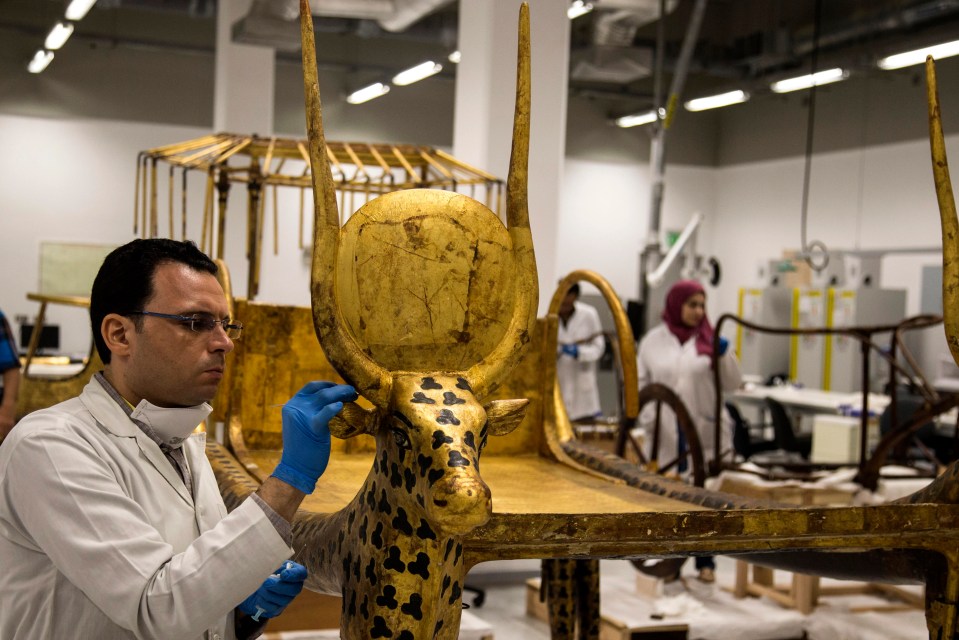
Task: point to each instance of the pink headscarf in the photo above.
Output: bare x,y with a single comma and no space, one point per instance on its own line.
673,317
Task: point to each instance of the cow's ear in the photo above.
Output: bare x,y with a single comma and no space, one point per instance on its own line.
352,421
505,415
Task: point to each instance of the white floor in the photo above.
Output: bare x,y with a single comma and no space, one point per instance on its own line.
710,611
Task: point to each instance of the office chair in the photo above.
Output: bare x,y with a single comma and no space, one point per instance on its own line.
785,436
743,443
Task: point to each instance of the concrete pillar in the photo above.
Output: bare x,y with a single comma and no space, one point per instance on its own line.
243,85
485,97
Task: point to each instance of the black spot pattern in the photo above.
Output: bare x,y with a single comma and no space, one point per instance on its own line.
420,398
461,383
446,417
377,537
393,562
385,506
435,475
439,623
379,629
406,634
396,478
450,398
356,570
349,521
371,572
455,593
409,480
347,561
420,500
363,529
365,608
414,608
388,599
430,384
449,547
401,523
459,552
470,440
440,438
484,431
421,566
424,531
424,462
446,584
457,460
351,610
371,498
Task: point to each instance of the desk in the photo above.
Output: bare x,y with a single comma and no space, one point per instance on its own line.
809,400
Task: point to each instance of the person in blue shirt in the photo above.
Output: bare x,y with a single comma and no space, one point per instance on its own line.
10,374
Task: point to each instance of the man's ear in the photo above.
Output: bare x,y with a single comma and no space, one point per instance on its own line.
505,415
116,331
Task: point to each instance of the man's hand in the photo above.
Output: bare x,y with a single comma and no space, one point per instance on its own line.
571,350
276,592
306,432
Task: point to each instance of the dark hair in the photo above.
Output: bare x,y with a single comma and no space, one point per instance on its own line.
573,289
124,282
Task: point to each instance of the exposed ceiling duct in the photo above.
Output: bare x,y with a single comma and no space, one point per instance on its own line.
274,22
611,58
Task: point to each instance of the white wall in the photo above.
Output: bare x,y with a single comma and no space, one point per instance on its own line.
66,181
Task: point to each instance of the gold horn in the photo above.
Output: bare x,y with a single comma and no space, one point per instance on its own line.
947,214
485,374
338,344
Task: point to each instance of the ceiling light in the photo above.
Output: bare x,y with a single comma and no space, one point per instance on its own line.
40,61
375,90
79,8
417,73
58,35
578,8
809,80
454,57
719,100
918,56
636,119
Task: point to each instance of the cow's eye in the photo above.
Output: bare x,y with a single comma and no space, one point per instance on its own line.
400,438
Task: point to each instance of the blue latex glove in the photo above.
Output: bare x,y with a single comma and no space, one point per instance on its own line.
306,432
276,592
723,345
571,350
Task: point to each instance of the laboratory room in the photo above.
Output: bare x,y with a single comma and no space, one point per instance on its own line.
585,320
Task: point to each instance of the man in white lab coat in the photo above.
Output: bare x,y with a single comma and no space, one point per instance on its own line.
580,346
111,523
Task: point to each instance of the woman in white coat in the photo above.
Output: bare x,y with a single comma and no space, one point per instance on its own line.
677,354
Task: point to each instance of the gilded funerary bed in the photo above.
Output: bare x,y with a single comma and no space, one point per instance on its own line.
460,451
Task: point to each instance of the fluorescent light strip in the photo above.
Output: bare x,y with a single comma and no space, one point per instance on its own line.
40,61
365,94
578,8
810,80
636,119
58,35
918,56
716,101
455,57
77,9
417,73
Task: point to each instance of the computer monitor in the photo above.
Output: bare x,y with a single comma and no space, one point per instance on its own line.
49,338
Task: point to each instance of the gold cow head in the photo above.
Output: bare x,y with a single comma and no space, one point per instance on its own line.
448,254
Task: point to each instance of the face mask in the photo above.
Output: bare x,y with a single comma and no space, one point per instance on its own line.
173,425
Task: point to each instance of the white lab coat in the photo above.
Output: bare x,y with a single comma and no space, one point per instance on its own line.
99,537
577,376
663,359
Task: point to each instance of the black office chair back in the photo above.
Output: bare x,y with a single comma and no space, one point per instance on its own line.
783,429
741,441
